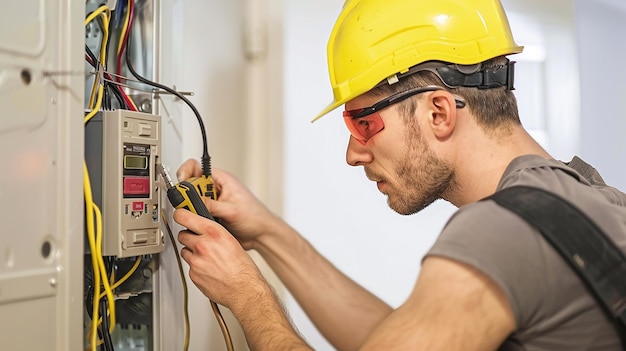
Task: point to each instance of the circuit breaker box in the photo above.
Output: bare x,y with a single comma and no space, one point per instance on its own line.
122,148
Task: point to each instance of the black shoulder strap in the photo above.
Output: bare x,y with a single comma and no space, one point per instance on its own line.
587,249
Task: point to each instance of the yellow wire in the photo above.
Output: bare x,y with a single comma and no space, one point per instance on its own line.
91,235
223,326
132,103
97,107
124,28
105,12
98,79
93,15
89,211
103,273
218,315
127,275
99,268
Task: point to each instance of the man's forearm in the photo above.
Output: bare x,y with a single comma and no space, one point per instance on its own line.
265,323
344,312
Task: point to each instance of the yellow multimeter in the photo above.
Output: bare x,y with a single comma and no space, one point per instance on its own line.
187,193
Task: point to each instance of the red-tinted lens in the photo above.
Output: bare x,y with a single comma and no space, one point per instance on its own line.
363,128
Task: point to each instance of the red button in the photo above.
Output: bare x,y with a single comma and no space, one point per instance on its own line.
136,186
137,205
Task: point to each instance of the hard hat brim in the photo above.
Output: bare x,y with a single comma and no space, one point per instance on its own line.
332,106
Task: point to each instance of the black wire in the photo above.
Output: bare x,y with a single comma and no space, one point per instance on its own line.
206,158
89,302
100,337
107,96
106,99
117,94
91,55
115,89
106,336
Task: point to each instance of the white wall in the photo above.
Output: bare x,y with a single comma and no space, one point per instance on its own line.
601,28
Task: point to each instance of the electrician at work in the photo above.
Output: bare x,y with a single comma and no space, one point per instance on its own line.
427,92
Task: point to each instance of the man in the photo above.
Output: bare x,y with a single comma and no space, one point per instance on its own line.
428,102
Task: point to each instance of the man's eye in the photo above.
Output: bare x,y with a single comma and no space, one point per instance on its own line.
363,124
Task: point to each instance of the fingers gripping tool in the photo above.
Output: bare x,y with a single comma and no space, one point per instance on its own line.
188,193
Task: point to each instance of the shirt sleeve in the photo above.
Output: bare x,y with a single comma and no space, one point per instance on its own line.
510,252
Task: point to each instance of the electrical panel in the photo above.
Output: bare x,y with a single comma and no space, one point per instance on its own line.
123,143
132,200
126,184
66,149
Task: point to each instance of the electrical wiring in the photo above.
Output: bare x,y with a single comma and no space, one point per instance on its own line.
182,278
99,11
105,44
105,13
130,9
223,326
96,108
89,211
96,84
125,101
128,274
92,212
218,315
114,89
106,337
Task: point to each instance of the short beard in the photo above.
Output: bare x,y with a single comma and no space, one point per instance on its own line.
424,177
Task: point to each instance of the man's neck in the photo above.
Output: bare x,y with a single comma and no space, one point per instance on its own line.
480,164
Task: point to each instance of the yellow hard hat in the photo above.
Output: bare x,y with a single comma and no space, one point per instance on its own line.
375,39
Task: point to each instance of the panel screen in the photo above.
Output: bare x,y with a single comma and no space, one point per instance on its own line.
135,162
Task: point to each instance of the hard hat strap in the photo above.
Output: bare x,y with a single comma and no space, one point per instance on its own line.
472,76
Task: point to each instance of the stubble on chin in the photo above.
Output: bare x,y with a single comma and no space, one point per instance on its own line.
424,178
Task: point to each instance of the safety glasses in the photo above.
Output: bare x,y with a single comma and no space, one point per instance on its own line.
366,122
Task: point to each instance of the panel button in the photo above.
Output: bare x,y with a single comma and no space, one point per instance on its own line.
145,130
136,186
140,237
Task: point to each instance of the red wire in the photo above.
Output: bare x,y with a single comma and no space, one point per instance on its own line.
127,100
131,8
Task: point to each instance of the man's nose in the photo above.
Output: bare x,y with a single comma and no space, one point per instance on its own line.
357,154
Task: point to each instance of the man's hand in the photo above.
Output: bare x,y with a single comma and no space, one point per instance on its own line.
218,265
224,272
237,208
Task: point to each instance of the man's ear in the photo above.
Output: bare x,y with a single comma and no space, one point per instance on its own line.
443,115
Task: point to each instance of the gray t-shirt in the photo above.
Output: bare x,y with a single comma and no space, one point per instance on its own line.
552,308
